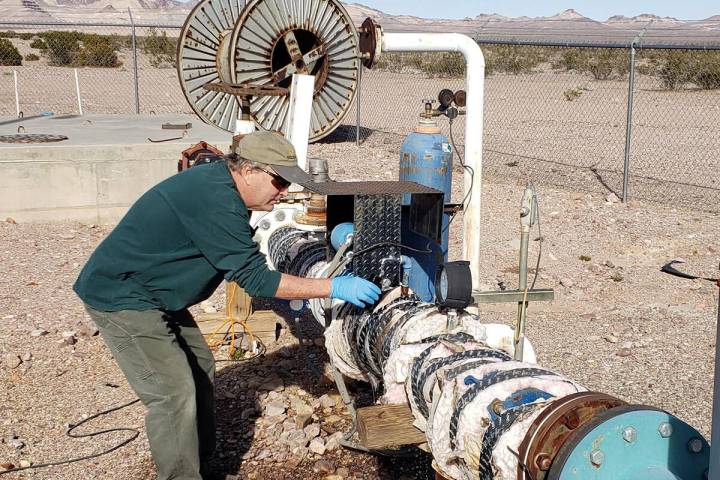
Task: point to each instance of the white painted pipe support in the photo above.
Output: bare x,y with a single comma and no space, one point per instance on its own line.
297,128
475,80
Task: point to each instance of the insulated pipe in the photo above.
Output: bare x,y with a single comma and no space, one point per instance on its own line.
475,80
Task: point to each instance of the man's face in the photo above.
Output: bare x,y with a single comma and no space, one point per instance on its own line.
260,188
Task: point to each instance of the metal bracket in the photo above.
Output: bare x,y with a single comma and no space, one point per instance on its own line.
515,296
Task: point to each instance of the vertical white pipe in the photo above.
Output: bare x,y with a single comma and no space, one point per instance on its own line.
17,95
475,80
77,91
297,129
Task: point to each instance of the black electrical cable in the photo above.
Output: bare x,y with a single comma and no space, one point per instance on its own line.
390,244
69,433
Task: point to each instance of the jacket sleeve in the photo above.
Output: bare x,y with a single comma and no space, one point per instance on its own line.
223,236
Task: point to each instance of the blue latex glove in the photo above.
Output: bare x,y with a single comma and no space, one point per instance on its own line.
355,290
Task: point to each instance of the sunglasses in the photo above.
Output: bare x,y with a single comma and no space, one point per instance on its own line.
281,182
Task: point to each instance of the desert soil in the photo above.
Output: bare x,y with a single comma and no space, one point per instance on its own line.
618,325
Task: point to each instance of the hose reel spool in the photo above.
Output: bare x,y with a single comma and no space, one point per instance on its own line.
262,44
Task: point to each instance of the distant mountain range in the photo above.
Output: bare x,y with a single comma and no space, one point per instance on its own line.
565,25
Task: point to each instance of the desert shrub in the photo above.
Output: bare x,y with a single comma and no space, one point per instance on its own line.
119,41
607,63
7,34
62,47
38,43
675,69
445,65
31,57
9,54
159,48
514,59
97,55
570,59
706,70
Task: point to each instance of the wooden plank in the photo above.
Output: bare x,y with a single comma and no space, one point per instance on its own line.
265,324
388,426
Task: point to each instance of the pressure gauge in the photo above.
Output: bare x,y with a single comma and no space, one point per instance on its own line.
453,285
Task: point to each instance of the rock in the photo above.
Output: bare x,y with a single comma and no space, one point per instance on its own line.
302,408
611,338
712,248
69,338
274,384
612,198
333,442
88,331
324,467
333,477
15,443
297,439
274,409
6,466
609,264
317,445
627,345
248,413
263,454
302,421
331,419
27,357
326,401
38,333
554,214
342,472
312,430
11,220
566,282
624,352
25,463
10,361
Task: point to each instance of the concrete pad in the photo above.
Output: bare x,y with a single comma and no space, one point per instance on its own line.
94,176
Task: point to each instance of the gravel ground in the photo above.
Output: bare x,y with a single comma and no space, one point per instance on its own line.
617,325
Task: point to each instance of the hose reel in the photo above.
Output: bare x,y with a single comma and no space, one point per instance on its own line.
227,44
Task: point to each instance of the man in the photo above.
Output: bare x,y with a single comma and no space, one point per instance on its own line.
171,250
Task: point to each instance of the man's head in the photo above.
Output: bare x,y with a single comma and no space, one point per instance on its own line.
263,165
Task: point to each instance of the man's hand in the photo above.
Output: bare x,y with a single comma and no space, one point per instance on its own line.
355,290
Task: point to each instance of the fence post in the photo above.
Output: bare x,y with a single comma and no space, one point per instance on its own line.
628,127
135,66
357,103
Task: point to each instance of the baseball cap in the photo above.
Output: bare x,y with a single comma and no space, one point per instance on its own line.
274,150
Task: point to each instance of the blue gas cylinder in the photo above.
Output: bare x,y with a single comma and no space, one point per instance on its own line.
426,158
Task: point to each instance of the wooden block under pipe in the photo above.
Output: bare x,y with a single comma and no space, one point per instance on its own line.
388,426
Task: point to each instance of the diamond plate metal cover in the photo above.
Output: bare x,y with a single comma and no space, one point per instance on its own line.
377,221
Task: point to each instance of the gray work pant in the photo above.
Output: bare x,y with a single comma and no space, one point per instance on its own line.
171,369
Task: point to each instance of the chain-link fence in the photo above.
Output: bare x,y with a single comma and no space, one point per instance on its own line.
576,116
556,112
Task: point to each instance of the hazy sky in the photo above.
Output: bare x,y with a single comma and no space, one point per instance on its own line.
597,10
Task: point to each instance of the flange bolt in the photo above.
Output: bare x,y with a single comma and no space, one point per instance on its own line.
695,445
665,429
629,434
597,457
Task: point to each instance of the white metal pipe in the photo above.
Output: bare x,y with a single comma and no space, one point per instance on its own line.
77,91
475,80
297,128
17,95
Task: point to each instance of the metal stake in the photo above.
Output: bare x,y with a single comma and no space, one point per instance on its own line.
628,126
135,65
77,91
527,219
17,95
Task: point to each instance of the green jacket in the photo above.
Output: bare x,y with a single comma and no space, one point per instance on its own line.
175,245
